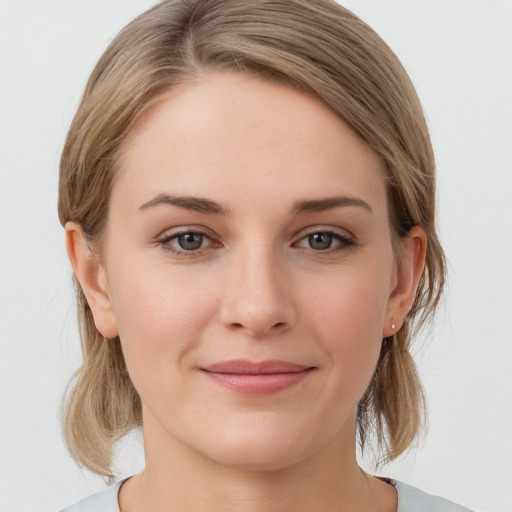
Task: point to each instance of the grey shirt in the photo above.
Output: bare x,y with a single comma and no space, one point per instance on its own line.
410,499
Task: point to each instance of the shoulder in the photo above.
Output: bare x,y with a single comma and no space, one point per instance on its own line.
103,501
411,499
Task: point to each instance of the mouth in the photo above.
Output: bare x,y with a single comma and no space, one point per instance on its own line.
257,378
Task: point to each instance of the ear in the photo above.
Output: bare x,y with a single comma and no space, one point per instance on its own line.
408,274
92,278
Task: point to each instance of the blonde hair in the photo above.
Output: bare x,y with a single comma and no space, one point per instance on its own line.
314,45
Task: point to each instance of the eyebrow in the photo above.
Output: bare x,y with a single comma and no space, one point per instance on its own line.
197,204
203,205
326,203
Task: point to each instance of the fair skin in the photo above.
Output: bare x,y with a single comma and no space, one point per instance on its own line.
248,223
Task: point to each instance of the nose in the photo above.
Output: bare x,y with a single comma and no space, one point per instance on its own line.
258,297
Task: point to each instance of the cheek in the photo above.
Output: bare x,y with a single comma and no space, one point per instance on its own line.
348,318
351,307
160,317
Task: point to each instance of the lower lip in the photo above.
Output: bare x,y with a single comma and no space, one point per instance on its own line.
261,384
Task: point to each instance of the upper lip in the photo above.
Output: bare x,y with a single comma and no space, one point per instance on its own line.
243,367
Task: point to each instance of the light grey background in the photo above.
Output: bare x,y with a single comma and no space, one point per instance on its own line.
459,53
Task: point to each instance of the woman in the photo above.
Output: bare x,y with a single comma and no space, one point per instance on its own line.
248,195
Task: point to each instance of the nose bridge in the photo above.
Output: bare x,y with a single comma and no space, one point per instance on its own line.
258,299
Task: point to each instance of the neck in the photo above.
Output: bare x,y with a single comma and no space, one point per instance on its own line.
177,478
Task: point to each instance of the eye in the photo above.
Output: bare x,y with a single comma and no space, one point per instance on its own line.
325,241
186,242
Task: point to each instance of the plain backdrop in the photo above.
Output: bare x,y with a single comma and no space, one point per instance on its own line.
459,54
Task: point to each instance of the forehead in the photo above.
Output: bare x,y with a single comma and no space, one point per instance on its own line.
242,138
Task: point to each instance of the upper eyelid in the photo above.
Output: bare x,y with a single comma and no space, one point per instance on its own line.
183,230
311,230
341,239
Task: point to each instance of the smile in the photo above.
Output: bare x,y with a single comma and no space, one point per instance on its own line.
257,378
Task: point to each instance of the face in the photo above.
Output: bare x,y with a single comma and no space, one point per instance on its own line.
248,270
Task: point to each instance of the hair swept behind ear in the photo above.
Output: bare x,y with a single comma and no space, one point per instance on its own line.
393,407
101,402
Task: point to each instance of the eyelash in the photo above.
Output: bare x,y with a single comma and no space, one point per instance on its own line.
345,241
164,242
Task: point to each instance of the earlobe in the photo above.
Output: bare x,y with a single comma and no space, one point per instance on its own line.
408,274
91,275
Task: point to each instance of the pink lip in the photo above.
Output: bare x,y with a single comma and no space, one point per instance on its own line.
257,378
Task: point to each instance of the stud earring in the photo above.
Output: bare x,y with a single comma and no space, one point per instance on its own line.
393,326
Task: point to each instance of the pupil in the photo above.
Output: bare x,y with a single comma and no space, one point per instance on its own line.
320,241
190,241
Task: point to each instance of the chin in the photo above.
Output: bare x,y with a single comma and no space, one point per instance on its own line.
260,447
